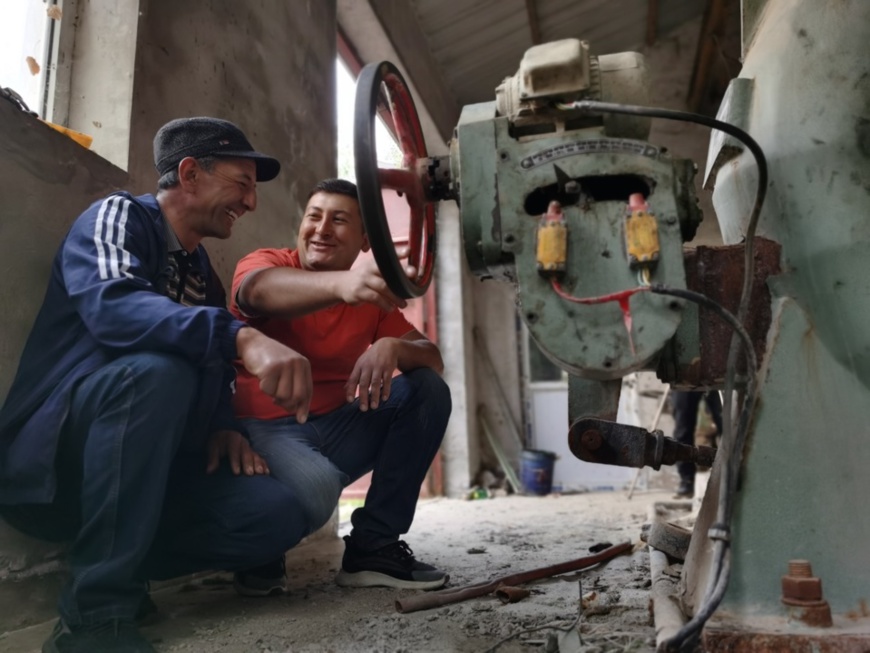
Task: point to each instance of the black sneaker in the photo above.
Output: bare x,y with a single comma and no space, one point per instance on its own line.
390,566
267,580
117,636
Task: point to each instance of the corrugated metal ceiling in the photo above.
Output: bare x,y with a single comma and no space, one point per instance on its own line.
477,43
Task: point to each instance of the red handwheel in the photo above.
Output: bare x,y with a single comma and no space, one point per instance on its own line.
384,80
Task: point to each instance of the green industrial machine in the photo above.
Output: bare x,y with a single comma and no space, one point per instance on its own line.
561,194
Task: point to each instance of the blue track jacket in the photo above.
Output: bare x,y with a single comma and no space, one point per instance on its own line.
106,299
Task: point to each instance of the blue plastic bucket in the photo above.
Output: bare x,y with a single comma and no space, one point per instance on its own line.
536,471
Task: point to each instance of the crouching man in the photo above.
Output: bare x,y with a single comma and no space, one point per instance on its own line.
114,429
362,417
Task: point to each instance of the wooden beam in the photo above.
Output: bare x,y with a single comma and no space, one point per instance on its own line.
712,28
399,23
652,22
534,25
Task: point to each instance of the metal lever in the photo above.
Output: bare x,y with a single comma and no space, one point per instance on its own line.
599,441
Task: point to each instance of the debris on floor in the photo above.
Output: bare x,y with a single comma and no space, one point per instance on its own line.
604,608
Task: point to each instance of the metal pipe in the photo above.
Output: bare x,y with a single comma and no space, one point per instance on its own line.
668,615
459,594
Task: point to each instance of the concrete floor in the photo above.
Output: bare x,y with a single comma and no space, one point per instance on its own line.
477,541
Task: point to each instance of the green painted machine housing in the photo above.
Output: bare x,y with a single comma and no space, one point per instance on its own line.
504,182
805,473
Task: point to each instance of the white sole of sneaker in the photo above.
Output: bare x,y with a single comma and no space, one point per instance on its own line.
376,579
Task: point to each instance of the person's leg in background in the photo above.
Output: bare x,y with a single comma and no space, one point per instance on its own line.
714,407
685,407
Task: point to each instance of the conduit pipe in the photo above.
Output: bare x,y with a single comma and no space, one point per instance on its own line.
668,615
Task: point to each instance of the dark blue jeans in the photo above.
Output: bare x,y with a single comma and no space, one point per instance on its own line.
397,440
137,509
685,405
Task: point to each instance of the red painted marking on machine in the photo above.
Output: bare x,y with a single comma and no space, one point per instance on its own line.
621,297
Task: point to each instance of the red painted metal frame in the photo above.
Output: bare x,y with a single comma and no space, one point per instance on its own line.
409,179
422,311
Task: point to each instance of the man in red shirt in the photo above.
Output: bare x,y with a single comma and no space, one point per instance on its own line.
361,418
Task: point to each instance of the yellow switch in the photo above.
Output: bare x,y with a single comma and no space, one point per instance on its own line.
552,249
641,234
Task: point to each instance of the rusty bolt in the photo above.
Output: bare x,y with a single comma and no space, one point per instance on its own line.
801,568
802,594
800,584
591,439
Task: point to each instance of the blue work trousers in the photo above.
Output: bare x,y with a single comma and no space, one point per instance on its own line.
397,441
134,507
685,405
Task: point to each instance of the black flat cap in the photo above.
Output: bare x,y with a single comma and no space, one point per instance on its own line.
200,137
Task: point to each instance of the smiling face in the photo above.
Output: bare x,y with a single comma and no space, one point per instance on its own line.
223,195
331,235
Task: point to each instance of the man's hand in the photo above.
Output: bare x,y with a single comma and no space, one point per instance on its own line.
285,375
373,374
365,285
236,448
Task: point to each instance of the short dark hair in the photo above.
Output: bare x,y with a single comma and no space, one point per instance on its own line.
334,187
170,179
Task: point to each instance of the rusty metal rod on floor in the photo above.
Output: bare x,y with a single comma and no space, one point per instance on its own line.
458,594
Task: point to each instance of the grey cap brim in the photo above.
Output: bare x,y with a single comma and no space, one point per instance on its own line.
267,167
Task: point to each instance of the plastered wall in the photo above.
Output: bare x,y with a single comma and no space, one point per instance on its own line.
264,64
44,178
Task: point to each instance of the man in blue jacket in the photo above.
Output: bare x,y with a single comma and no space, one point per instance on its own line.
112,432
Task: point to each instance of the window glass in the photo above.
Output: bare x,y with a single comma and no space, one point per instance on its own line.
542,368
24,49
388,152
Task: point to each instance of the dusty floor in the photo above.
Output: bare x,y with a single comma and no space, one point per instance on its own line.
477,541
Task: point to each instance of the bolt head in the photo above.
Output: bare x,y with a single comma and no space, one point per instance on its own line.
801,589
591,439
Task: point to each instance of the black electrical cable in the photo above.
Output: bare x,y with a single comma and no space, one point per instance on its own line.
720,530
729,476
721,311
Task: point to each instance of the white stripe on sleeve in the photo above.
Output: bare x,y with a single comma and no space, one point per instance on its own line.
122,234
110,238
98,239
112,259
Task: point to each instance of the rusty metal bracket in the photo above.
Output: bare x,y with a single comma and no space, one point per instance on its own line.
697,357
599,441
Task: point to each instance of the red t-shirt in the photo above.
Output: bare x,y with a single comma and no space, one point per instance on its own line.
332,339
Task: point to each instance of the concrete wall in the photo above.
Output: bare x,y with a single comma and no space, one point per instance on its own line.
100,86
460,449
498,369
266,65
45,180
